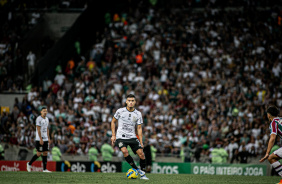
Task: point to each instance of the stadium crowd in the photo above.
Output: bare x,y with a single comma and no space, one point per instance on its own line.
202,80
14,62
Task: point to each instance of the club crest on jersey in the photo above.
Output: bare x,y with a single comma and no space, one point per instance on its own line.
120,144
134,119
129,116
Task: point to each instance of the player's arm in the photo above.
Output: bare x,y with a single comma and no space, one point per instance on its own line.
270,145
48,134
113,127
139,132
39,134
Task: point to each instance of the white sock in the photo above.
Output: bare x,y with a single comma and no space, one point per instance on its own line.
278,167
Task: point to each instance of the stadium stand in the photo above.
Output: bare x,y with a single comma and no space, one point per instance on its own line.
201,77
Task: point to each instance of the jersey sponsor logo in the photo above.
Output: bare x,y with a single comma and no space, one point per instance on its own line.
127,128
44,130
127,135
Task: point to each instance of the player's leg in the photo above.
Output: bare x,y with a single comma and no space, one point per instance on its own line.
128,158
122,144
142,169
44,160
141,155
35,157
137,148
274,161
44,157
39,149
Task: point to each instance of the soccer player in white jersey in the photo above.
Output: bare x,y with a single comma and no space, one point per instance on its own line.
41,140
275,128
128,117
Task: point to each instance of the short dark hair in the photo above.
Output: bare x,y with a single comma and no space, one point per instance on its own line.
44,107
273,111
130,96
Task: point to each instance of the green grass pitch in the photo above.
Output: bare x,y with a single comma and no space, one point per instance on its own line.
68,177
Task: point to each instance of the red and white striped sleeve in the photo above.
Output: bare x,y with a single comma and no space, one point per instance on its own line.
273,127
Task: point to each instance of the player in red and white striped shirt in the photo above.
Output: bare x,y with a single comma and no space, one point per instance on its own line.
275,128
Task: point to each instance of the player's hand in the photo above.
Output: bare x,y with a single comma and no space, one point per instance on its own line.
264,158
113,139
141,144
41,142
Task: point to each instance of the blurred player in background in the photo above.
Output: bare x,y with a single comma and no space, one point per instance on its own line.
275,128
41,140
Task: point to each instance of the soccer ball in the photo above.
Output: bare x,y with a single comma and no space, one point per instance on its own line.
132,173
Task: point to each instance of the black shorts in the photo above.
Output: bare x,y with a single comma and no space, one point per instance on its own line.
134,143
41,148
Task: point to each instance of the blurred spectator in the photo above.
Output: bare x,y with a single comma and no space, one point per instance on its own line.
31,62
13,139
63,146
55,88
187,152
83,150
71,148
219,154
243,155
2,152
60,78
232,150
46,85
93,153
153,152
107,152
35,16
56,153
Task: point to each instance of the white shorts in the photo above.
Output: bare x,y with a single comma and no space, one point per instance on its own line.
278,152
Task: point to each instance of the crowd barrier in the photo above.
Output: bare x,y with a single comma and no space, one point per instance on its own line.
105,167
21,166
64,166
211,169
157,167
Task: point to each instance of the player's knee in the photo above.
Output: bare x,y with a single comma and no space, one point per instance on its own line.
38,154
45,153
271,159
141,155
125,153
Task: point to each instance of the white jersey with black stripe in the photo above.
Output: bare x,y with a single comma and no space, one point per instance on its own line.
127,121
44,124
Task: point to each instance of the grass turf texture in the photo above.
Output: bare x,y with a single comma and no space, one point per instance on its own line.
68,177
